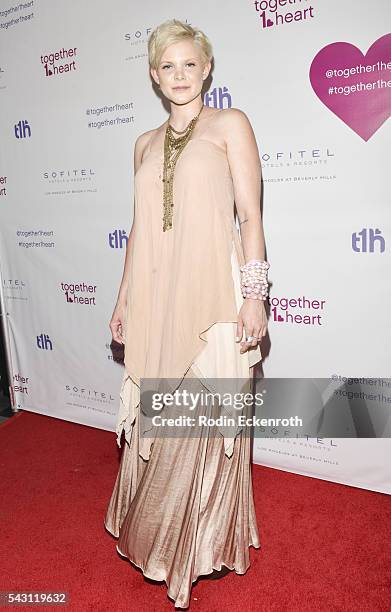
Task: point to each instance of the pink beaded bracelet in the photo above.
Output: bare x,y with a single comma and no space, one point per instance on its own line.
253,282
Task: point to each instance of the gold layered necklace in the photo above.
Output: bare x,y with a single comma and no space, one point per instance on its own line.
173,147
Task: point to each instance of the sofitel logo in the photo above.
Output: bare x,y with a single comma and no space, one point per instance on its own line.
364,241
117,239
85,393
138,34
14,284
292,310
15,289
79,293
67,176
56,62
296,158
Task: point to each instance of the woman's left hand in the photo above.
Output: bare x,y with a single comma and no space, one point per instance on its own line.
252,320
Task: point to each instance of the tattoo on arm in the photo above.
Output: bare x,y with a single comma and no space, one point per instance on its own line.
244,221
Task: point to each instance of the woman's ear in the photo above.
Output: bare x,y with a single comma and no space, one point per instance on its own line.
207,68
154,75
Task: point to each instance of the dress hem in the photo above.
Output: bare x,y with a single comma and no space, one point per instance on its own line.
255,545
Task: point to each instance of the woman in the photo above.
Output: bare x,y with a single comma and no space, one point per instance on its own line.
183,506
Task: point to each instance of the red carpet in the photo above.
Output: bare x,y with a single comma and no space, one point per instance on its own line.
325,546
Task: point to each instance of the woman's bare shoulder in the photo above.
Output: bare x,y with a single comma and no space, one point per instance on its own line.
144,139
141,145
233,116
228,124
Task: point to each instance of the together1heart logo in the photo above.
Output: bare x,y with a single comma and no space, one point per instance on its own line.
354,86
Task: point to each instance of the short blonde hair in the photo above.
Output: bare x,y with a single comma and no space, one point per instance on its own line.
173,31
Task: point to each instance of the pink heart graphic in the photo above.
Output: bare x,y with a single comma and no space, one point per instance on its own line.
343,65
269,23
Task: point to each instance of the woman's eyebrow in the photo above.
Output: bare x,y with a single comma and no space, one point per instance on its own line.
171,62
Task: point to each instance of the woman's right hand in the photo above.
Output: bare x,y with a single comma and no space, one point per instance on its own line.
117,323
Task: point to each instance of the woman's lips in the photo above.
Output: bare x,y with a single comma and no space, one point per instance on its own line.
180,88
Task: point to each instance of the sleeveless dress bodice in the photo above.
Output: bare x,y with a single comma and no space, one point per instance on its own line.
183,288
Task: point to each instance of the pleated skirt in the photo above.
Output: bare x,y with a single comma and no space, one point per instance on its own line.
188,509
183,506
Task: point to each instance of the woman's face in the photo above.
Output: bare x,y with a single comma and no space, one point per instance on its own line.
181,72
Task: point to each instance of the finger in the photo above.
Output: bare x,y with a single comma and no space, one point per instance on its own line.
117,336
252,333
259,335
239,330
255,334
245,345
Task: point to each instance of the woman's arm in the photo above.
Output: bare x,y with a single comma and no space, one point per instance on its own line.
246,171
118,317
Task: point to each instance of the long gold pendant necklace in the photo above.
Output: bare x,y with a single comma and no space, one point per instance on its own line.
173,147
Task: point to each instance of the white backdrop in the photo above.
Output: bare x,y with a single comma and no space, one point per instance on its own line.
67,132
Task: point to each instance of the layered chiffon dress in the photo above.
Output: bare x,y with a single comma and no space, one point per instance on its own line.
182,507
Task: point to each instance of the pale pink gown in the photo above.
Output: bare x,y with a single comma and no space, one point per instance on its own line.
183,507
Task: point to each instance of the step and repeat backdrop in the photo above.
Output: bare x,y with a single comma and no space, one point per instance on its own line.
314,79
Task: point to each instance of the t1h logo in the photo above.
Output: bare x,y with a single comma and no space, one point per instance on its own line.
364,241
117,238
22,129
44,342
217,96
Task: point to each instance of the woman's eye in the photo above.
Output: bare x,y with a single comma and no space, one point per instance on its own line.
188,64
